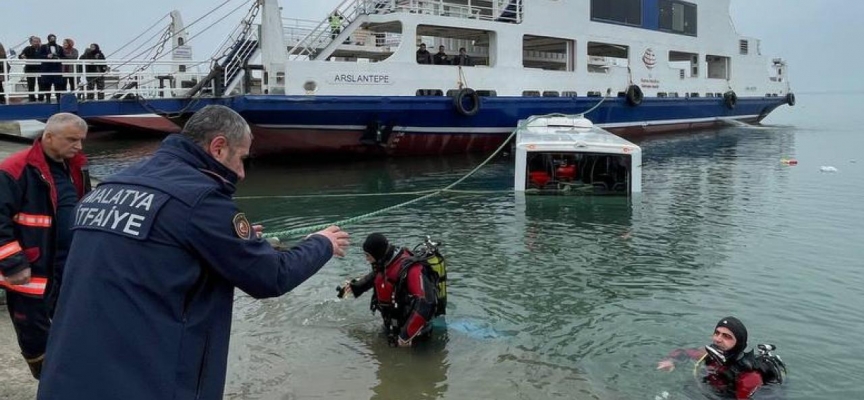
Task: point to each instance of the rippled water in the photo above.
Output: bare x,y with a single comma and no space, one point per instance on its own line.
560,297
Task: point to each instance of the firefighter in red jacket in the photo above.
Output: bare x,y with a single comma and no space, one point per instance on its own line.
730,370
39,188
404,295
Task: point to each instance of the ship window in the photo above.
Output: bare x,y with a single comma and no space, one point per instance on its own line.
551,93
678,17
605,58
568,93
487,93
531,93
595,94
548,53
475,42
662,94
627,12
686,63
718,67
744,45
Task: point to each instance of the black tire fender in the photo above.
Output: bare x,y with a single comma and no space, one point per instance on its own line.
634,95
790,99
730,99
473,101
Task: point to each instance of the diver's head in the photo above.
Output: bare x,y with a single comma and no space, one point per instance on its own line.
377,249
730,337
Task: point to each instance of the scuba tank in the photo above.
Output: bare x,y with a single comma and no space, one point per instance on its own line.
427,253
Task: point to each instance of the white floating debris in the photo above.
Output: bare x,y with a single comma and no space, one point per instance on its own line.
827,169
662,396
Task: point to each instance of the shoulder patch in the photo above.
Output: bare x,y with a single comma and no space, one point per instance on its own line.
242,226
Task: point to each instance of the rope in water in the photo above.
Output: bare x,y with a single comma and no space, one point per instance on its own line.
355,195
424,194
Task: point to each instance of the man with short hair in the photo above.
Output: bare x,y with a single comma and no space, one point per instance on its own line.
39,187
423,56
463,59
440,57
32,69
52,68
145,307
730,369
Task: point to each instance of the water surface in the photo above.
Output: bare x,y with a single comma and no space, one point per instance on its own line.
564,297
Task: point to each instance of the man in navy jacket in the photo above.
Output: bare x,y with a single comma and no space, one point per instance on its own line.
145,307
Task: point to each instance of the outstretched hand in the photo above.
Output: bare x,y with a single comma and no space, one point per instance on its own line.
338,238
666,365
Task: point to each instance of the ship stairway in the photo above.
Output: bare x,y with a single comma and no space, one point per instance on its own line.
512,12
321,41
233,68
231,60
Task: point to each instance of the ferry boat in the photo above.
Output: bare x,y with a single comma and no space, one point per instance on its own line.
567,154
356,83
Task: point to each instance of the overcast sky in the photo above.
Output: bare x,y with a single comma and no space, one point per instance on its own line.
813,35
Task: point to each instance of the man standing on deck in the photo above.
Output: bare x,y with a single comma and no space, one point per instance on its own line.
39,187
145,309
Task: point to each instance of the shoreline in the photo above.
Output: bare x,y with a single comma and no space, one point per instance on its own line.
16,383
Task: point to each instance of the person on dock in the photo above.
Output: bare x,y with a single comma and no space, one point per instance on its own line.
32,69
159,248
405,290
730,369
39,187
52,69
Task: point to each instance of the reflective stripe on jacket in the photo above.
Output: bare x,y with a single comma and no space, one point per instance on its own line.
28,202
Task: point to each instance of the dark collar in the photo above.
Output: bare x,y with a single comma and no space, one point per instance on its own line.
184,148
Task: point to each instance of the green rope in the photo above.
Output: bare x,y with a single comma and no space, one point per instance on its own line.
333,196
347,221
428,193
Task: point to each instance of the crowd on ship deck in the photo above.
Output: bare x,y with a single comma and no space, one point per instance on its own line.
49,69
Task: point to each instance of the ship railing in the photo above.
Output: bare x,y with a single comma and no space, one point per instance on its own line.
121,79
296,29
510,11
323,34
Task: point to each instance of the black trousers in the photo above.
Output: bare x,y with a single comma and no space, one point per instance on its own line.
56,81
99,85
30,317
31,87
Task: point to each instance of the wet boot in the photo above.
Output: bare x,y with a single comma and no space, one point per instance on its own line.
35,365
